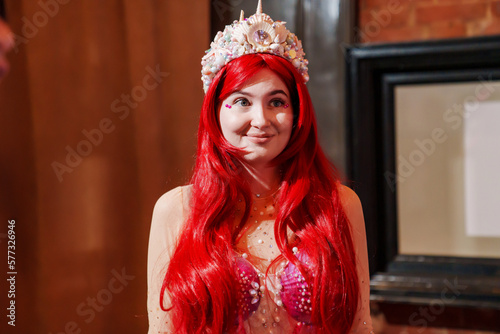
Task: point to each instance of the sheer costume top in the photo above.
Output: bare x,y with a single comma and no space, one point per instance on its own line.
278,302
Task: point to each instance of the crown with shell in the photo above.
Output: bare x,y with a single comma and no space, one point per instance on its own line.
256,34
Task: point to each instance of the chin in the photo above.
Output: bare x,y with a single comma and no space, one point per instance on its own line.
257,159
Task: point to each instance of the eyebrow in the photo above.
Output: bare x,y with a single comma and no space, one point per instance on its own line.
274,92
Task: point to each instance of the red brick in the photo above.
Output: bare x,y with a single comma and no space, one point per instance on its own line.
425,2
451,12
364,17
370,4
394,35
451,29
492,29
385,18
495,8
374,4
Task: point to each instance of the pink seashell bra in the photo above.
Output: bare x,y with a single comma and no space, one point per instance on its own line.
289,287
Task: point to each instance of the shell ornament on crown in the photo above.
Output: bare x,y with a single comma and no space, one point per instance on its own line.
256,34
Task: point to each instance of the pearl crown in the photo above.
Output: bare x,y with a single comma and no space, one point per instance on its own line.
256,34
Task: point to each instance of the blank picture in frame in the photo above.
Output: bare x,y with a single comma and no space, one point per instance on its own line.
447,144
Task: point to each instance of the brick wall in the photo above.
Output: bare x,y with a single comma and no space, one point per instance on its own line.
412,20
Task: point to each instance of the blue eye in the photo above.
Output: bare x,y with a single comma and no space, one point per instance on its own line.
277,103
242,102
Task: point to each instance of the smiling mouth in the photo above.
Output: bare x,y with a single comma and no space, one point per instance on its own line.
259,139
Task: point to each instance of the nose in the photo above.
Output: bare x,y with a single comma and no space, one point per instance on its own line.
261,117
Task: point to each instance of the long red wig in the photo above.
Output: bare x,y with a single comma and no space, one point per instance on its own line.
200,279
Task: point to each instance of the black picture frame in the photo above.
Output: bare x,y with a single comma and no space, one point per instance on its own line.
402,283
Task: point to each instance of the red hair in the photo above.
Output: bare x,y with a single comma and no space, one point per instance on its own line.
200,278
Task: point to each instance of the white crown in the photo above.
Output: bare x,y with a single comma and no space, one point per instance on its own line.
257,34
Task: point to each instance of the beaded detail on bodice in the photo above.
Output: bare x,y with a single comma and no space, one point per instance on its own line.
287,287
274,296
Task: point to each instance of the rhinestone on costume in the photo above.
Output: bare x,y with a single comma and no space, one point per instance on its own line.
249,296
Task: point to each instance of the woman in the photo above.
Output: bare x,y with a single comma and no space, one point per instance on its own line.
265,239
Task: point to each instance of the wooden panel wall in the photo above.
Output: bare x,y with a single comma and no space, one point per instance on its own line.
98,118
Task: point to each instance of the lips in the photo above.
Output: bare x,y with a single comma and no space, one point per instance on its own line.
259,138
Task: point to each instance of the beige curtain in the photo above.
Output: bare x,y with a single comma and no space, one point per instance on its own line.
98,118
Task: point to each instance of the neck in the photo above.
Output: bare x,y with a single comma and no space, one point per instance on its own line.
263,181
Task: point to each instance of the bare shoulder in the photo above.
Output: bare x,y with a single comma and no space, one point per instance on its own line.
172,199
168,218
172,204
354,211
352,207
349,198
348,195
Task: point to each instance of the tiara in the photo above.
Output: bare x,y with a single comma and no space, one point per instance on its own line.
256,34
